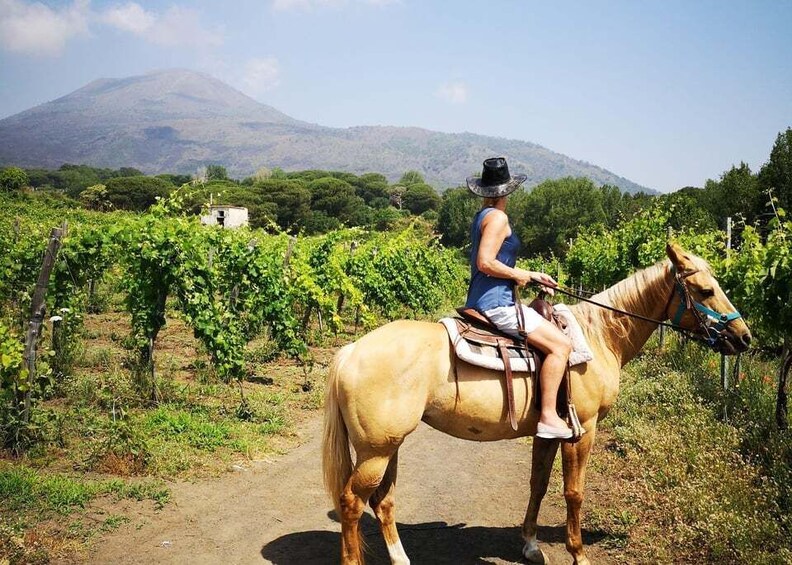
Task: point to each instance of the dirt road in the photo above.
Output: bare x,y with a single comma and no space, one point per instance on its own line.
458,502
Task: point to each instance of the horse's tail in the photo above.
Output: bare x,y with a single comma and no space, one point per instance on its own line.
336,458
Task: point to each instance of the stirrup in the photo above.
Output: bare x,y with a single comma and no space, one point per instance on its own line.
574,423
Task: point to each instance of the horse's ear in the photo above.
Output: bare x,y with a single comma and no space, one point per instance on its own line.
679,258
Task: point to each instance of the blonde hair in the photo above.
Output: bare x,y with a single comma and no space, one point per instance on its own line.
489,202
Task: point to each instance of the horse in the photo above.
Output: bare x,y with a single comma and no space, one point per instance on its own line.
381,386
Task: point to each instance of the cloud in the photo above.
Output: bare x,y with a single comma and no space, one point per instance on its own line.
37,29
130,17
260,75
177,26
311,5
453,92
34,28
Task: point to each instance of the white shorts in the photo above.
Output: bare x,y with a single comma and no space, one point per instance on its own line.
505,319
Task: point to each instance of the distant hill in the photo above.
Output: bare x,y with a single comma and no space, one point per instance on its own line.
178,120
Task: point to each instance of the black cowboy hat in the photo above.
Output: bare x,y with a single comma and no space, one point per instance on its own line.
495,180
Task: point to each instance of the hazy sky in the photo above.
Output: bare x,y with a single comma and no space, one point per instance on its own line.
665,93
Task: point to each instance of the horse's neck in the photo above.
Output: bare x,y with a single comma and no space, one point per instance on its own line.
645,293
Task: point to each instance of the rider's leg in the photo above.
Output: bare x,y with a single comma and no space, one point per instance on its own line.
556,347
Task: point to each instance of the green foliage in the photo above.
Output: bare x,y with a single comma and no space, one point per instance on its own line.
776,174
175,180
373,189
335,200
418,198
599,257
411,177
457,208
760,276
137,192
13,381
291,202
394,272
96,198
216,172
689,208
13,178
555,211
735,195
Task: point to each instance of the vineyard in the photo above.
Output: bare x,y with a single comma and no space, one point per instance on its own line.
252,296
230,286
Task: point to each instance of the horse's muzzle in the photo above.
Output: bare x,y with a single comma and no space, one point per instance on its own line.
733,344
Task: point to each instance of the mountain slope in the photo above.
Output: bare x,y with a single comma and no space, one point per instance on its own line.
179,120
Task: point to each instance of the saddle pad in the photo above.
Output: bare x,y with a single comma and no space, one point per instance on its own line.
483,355
581,352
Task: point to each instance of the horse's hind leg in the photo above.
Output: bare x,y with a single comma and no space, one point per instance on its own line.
383,503
365,479
544,452
575,458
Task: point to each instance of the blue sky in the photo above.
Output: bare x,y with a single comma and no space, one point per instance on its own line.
665,93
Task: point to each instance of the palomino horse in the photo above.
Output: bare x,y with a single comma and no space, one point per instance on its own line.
384,384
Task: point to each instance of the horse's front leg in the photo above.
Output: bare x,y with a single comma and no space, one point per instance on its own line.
542,457
575,457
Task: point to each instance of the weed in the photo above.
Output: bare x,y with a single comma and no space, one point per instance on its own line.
187,427
112,522
122,451
699,476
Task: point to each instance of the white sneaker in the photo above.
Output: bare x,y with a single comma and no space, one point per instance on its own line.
549,432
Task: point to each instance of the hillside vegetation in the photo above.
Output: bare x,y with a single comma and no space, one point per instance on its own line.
181,120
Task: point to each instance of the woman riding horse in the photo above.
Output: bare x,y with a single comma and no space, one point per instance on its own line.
382,386
493,276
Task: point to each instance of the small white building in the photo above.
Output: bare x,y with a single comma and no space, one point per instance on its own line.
226,216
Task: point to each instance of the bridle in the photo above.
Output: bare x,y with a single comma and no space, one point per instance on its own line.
711,324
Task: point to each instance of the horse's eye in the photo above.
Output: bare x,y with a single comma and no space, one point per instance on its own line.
707,292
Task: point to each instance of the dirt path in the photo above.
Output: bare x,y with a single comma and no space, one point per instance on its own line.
458,502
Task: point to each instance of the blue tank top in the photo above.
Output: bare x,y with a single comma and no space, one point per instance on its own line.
486,292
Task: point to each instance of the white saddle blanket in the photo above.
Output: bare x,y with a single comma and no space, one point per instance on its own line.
489,359
484,357
581,352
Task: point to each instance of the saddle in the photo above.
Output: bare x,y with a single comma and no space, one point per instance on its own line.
477,330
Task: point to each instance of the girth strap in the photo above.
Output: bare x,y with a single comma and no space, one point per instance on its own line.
509,385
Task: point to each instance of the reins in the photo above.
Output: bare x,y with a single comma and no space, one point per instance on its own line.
573,294
710,333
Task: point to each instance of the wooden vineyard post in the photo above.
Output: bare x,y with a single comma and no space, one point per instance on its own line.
289,251
37,309
724,359
781,400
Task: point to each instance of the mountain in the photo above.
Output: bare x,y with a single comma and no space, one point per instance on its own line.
179,120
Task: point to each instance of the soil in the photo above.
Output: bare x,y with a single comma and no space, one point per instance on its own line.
458,502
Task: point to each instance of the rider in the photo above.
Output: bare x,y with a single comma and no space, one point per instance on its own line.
494,275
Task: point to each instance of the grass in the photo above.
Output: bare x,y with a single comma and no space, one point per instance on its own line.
97,422
692,485
35,506
25,490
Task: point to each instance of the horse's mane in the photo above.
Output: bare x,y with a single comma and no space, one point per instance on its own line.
637,294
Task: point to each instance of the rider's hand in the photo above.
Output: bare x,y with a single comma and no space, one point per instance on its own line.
547,282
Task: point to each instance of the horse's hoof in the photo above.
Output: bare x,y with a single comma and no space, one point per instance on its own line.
535,555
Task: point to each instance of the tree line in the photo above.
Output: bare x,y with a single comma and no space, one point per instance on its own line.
311,201
546,217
